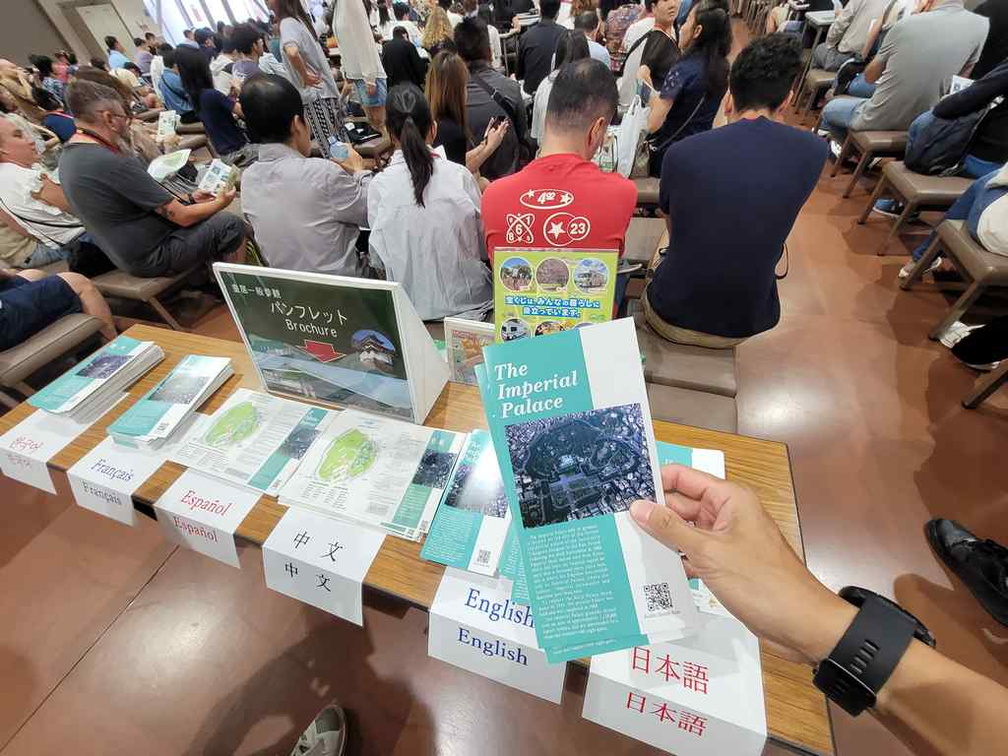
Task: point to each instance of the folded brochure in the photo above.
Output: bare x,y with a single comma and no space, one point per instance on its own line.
572,431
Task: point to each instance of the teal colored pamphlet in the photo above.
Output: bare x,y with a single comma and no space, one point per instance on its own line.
70,388
472,520
571,428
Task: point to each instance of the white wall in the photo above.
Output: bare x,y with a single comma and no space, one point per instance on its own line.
132,12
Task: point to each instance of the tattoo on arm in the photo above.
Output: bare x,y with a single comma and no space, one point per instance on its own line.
166,211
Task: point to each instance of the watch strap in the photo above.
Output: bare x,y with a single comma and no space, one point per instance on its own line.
865,656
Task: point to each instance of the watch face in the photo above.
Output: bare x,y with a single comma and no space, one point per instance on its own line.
856,595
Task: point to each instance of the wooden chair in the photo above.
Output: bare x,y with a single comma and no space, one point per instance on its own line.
916,191
52,342
983,268
869,145
647,193
689,367
120,284
642,238
986,386
696,408
815,81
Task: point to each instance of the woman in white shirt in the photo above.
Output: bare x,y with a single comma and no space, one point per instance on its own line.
424,215
359,59
571,46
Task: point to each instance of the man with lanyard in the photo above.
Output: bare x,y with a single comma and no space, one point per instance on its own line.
139,224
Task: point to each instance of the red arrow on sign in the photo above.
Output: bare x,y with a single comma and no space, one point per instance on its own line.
321,351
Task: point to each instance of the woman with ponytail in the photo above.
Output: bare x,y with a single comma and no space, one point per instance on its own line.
424,215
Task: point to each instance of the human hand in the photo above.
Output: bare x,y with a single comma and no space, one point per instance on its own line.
736,548
495,134
515,23
225,196
311,78
370,87
353,162
203,196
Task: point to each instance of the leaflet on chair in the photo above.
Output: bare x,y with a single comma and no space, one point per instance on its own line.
382,472
571,428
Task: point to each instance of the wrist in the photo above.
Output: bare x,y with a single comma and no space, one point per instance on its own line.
829,617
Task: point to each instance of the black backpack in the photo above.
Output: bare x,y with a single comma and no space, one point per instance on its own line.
939,144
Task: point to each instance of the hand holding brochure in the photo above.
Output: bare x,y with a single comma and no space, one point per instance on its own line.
572,431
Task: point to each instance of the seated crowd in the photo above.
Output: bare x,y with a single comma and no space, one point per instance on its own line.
469,143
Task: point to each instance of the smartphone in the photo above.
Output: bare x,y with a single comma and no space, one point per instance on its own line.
338,149
645,92
496,121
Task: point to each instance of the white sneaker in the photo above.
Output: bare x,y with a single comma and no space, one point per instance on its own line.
956,333
835,147
907,269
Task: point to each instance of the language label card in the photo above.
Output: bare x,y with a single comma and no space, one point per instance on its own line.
475,625
321,561
202,513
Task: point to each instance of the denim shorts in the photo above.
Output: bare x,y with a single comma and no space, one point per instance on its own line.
377,100
26,307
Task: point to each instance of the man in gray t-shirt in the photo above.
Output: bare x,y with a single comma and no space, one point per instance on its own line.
913,69
138,223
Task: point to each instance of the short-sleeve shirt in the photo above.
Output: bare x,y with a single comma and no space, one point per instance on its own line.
693,107
216,113
294,32
660,54
558,201
48,224
116,198
728,226
921,54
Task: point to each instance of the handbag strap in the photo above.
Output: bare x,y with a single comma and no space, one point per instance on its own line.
502,102
667,142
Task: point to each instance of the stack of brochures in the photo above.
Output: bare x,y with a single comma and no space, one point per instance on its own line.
571,429
382,472
158,414
99,381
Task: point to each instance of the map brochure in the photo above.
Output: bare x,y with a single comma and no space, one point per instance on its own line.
166,123
100,379
218,177
352,342
473,519
510,567
253,439
572,431
375,470
541,291
156,416
464,342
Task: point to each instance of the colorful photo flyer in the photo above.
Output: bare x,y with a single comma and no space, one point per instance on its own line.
254,439
572,430
376,470
347,341
464,342
473,519
542,291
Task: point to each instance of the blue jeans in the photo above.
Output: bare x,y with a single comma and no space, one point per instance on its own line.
968,207
860,88
44,255
838,114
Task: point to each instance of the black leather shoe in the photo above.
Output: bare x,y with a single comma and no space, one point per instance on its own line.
982,565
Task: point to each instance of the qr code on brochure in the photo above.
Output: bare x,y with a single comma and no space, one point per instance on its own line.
658,597
483,557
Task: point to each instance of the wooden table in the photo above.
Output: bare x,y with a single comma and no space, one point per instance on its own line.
796,711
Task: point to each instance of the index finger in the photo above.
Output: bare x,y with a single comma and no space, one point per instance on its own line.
687,481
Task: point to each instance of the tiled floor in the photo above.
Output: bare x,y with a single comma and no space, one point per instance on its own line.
111,642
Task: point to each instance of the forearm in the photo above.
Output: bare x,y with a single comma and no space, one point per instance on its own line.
13,225
659,110
297,62
477,156
190,215
935,704
874,70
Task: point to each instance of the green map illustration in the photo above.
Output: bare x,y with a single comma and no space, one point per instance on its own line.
350,454
234,426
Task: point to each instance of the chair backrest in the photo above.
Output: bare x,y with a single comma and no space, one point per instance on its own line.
837,6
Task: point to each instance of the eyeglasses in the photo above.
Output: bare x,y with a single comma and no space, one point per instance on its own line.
124,116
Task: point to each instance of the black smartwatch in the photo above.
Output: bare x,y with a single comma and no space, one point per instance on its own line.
855,671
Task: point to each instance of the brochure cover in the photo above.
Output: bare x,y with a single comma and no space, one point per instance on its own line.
464,342
254,439
473,519
158,413
539,292
376,470
335,339
77,384
572,431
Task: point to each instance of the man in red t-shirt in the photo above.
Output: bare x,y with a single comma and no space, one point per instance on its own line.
562,199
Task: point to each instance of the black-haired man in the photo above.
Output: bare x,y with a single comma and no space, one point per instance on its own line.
401,11
732,195
537,45
116,57
324,204
596,206
401,61
489,95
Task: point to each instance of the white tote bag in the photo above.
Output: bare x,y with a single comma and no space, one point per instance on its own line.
630,132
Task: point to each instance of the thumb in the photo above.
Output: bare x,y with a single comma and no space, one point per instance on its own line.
665,525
